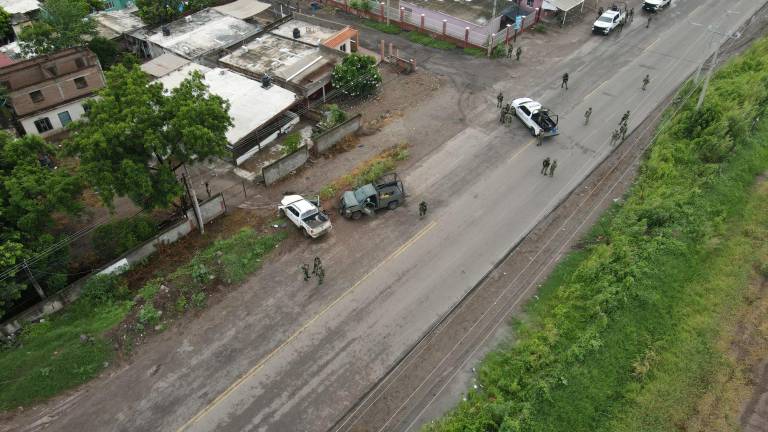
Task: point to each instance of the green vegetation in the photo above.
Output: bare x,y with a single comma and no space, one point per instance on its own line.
50,356
357,75
382,27
368,171
333,116
363,5
64,24
154,12
426,40
135,135
623,335
291,143
70,347
112,239
475,52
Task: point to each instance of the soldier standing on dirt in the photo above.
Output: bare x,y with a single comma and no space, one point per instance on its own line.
565,81
499,99
646,81
545,166
587,115
305,269
422,209
648,24
318,264
518,53
510,50
552,168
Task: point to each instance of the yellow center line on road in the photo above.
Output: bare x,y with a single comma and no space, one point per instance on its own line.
285,343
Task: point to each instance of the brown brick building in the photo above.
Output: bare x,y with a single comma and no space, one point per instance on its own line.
47,92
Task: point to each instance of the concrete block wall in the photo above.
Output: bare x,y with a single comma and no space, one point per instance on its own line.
285,165
326,140
210,209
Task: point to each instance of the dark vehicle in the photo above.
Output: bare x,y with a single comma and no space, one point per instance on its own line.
386,192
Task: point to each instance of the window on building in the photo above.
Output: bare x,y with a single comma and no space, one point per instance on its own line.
86,107
81,82
36,96
43,125
51,69
79,63
343,47
65,118
5,84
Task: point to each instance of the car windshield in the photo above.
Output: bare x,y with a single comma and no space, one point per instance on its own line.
606,19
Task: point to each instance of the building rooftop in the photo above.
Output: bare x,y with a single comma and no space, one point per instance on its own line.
163,65
113,24
251,105
243,9
19,6
311,33
202,32
275,56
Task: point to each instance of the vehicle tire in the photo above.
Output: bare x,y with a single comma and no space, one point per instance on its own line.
357,215
280,212
532,130
393,205
306,234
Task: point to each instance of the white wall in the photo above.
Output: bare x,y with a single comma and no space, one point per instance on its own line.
75,110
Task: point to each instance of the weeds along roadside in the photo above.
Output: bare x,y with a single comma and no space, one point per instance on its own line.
605,337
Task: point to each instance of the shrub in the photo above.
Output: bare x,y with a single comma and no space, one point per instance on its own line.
291,143
104,288
356,75
148,315
112,239
198,299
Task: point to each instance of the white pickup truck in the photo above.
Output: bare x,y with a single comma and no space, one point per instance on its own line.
655,5
609,20
538,120
305,215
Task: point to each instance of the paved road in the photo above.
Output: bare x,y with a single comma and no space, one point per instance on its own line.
348,345
278,355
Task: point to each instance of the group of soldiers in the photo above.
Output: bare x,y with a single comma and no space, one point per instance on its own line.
518,52
620,134
506,111
548,167
317,270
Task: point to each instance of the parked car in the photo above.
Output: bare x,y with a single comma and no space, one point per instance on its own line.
655,5
609,20
540,121
305,214
386,192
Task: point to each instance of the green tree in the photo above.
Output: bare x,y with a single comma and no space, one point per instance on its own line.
62,24
31,191
357,75
154,12
5,24
137,135
106,50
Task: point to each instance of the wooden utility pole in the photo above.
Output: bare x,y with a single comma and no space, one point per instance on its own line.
193,197
32,279
706,80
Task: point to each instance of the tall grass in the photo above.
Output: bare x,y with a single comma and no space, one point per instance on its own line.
628,325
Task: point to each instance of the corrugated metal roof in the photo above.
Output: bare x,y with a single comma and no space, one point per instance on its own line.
565,5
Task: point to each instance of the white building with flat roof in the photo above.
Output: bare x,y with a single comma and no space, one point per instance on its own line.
259,115
196,35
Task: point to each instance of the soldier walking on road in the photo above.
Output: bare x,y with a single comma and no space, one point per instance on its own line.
623,130
504,112
631,15
624,118
422,209
587,115
552,168
318,264
545,166
499,99
305,270
565,81
646,80
648,24
510,51
518,53
320,275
